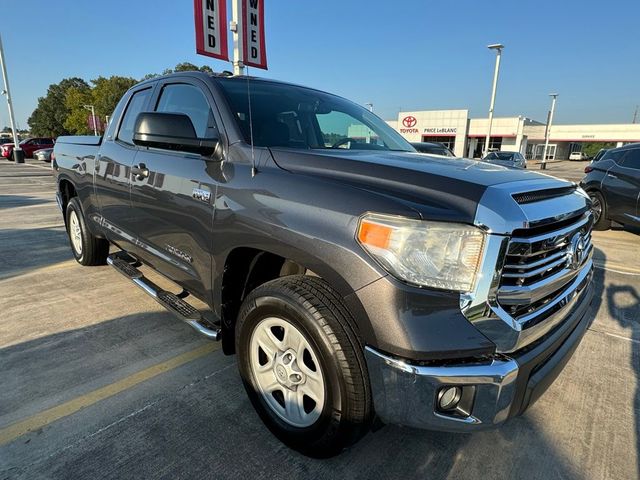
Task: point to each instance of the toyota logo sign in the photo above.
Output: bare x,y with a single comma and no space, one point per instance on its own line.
409,121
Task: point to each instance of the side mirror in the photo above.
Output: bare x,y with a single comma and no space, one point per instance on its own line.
171,131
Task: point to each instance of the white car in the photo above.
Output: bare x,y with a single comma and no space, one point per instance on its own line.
578,156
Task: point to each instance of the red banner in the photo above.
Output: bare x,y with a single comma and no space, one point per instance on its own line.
211,28
254,51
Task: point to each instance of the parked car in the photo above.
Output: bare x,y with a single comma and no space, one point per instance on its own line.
580,156
613,183
44,154
28,146
351,280
506,159
433,148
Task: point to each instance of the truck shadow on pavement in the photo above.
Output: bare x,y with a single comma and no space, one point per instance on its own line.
23,250
13,201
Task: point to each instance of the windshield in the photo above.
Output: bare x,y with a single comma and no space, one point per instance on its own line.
297,117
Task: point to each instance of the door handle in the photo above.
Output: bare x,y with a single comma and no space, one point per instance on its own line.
140,171
611,175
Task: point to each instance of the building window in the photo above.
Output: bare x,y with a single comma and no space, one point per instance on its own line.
494,145
448,141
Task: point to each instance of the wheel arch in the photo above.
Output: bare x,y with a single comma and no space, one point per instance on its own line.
246,268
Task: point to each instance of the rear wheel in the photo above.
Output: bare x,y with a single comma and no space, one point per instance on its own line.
303,366
87,248
599,209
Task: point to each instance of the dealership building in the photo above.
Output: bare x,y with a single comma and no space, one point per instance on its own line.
466,136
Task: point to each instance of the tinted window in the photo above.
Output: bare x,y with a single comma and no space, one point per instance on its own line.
614,155
136,104
631,159
297,117
190,100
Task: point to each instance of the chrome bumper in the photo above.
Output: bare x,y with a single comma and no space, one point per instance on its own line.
500,387
406,394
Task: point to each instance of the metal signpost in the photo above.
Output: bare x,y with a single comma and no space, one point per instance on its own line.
498,48
18,155
543,165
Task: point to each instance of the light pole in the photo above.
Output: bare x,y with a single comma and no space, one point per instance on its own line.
498,48
543,165
93,118
17,151
369,105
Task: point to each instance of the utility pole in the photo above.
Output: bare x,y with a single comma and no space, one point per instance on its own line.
543,165
498,48
235,25
17,151
635,115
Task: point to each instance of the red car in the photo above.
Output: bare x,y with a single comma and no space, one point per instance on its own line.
28,146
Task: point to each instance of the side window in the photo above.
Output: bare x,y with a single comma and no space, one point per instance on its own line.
631,159
136,103
190,100
614,155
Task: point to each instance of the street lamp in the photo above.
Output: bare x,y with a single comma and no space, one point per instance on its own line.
93,118
18,155
543,165
498,48
369,105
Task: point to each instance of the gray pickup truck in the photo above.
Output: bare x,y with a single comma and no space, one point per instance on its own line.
358,281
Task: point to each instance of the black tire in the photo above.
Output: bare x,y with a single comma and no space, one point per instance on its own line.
599,209
318,312
94,250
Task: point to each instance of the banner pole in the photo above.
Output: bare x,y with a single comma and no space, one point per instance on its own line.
236,26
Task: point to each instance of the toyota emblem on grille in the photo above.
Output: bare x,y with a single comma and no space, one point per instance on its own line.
577,251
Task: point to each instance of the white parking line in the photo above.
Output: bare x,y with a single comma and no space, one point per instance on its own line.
633,273
36,166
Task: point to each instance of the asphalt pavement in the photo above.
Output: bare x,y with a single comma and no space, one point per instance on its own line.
99,382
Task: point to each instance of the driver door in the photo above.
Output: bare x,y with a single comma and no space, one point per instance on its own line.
173,203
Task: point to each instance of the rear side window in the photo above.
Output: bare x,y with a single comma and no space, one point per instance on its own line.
614,155
136,104
190,100
631,159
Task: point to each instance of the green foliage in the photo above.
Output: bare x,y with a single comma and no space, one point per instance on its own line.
104,95
61,111
49,117
75,100
591,148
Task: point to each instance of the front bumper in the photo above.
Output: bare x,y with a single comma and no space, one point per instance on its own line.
496,387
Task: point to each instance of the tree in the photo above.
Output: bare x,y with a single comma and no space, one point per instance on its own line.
104,95
49,117
75,101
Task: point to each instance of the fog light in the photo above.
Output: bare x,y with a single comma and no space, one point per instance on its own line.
449,397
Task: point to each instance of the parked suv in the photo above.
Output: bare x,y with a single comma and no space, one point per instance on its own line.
613,183
353,277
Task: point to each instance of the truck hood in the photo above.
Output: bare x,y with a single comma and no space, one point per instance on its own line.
437,187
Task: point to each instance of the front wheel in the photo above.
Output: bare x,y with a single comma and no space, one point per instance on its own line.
87,249
599,209
303,366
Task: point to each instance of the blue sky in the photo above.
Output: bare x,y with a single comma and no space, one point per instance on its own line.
396,54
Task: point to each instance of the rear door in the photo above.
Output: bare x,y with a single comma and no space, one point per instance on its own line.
622,186
173,205
113,167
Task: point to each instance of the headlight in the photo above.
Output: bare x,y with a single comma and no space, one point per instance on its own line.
432,254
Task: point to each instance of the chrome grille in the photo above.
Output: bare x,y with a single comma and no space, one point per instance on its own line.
541,263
